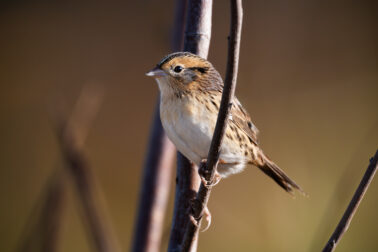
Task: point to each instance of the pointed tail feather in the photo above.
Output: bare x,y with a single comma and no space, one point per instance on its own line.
278,175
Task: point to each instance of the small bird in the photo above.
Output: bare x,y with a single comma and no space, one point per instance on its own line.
190,94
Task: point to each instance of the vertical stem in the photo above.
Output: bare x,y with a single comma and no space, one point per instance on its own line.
157,172
198,27
197,41
203,195
155,189
187,182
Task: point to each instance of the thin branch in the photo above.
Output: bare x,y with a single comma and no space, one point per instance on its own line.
339,195
345,221
226,104
197,41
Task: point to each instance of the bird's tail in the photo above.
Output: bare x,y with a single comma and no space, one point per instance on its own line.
278,175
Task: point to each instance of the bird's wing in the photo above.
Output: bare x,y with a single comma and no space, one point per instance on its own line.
241,118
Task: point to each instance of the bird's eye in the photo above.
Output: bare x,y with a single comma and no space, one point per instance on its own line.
177,69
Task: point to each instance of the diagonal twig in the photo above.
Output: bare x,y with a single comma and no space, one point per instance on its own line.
345,221
44,234
72,132
338,193
71,136
52,213
226,104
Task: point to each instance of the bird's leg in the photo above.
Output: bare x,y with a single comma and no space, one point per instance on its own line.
203,173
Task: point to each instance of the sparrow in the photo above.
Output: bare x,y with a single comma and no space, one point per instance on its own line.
190,95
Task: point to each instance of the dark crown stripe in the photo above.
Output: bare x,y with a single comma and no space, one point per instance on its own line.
175,55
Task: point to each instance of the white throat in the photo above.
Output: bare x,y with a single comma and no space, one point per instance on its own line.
164,86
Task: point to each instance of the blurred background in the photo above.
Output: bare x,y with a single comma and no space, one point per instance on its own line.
308,76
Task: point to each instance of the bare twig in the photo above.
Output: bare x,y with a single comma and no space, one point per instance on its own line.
197,41
344,223
339,195
226,104
157,172
72,135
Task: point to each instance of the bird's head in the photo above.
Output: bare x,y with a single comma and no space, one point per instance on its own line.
183,72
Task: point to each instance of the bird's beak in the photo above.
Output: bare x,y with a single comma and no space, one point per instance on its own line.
156,72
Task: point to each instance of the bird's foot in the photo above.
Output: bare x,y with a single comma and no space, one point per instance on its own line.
205,173
205,213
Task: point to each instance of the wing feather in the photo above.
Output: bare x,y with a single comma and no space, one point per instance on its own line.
241,118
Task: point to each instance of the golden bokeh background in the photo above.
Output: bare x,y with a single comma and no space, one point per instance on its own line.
308,76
